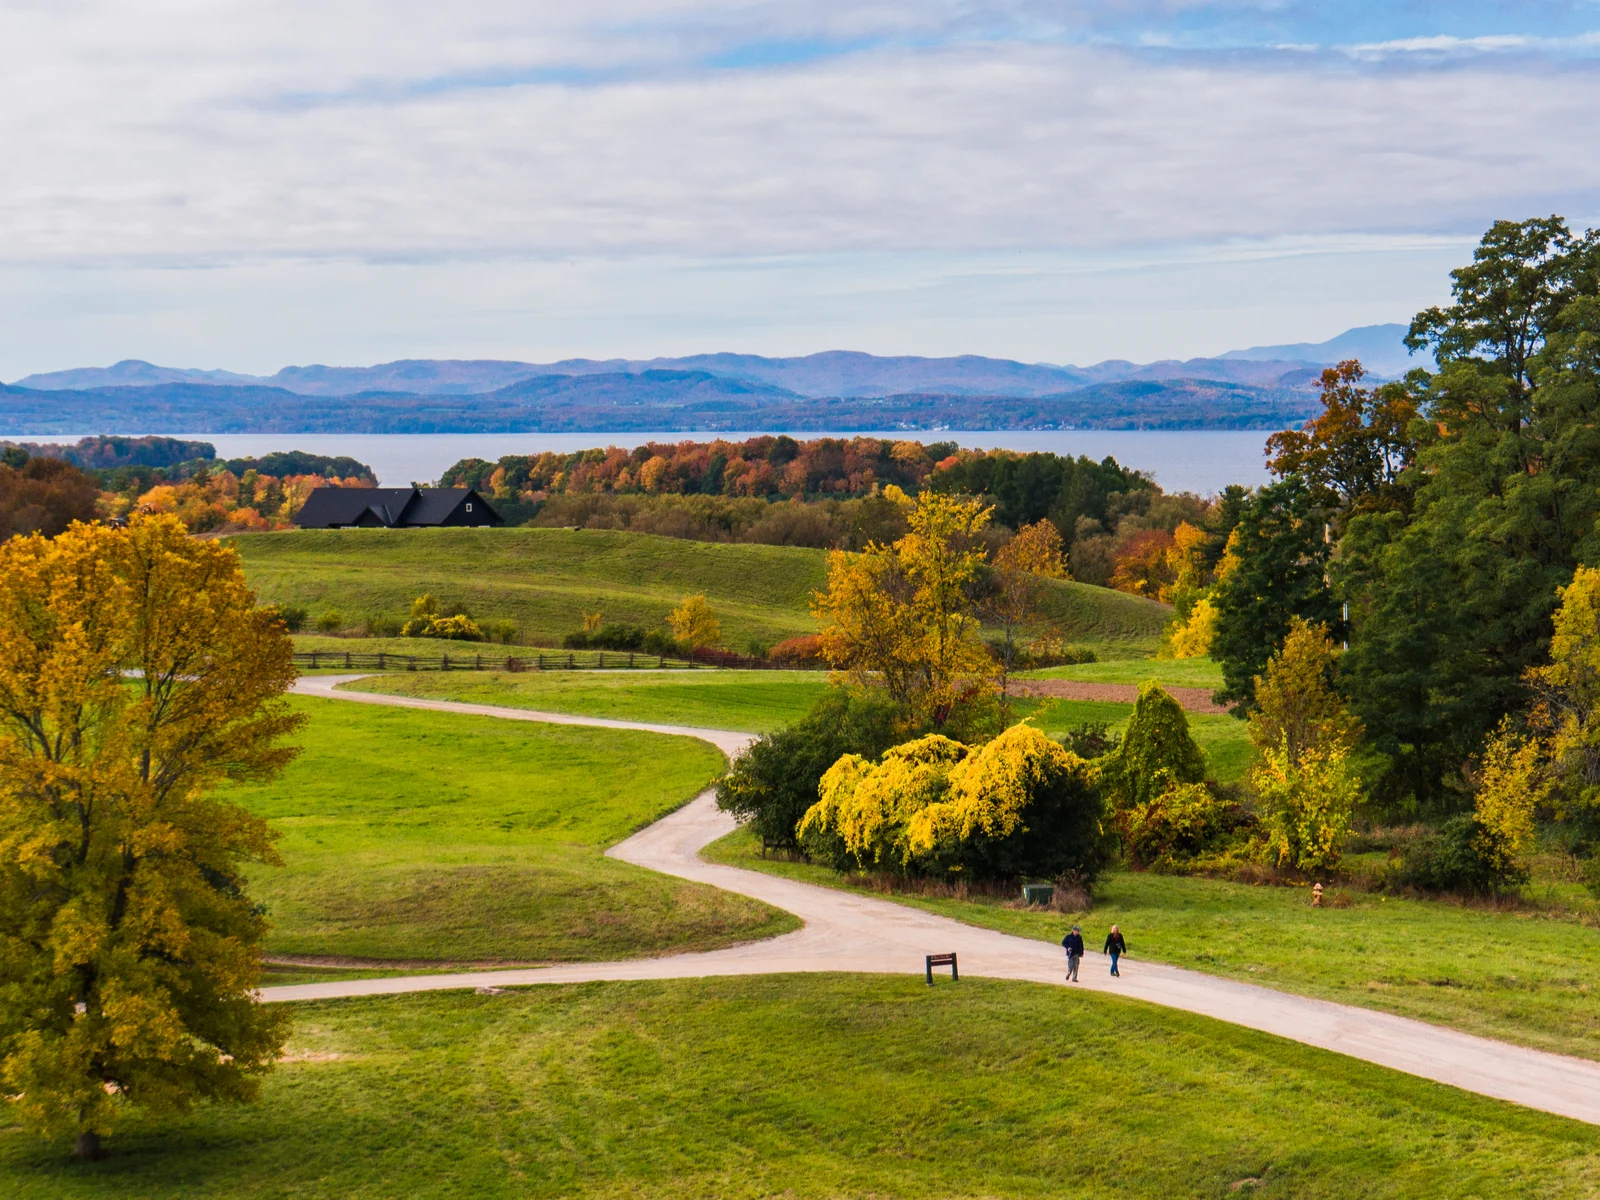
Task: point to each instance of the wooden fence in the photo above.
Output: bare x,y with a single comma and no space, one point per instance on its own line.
521,660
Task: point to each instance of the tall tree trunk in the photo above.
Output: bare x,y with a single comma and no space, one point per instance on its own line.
88,1146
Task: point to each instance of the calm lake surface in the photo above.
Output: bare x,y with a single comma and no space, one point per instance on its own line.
1202,461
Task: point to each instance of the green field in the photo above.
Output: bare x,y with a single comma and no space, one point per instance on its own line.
545,579
430,837
816,1086
749,701
1518,976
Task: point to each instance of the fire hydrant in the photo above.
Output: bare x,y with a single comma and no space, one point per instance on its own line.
1316,895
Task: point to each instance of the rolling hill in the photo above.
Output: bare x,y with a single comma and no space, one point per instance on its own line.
546,579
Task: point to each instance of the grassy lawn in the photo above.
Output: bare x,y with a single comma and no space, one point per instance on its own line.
1521,977
816,1086
751,701
420,837
545,579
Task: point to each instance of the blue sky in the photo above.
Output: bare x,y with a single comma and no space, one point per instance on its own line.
225,183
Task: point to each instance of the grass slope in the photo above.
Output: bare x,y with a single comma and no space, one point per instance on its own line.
1519,977
749,701
816,1086
425,836
545,579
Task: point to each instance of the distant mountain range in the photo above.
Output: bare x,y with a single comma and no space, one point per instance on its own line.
1263,388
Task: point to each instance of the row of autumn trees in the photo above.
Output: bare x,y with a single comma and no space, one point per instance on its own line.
44,493
1444,528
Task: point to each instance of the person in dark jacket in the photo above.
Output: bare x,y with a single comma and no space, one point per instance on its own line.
1115,946
1073,945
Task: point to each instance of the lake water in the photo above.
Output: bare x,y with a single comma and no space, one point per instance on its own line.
1202,461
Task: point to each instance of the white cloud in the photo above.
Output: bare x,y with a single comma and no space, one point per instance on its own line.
277,138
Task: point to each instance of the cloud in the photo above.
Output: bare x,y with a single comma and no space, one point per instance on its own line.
195,134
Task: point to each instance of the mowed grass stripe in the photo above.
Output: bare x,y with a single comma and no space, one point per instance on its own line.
421,836
817,1086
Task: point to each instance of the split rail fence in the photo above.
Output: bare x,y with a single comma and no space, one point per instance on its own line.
525,660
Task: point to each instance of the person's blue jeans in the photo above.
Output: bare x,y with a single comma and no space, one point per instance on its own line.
1114,957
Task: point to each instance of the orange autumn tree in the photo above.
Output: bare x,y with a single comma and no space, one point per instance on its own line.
903,617
136,674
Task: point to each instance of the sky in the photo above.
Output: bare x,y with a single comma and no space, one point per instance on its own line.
249,184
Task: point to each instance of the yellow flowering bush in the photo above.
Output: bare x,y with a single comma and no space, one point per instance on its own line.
1019,804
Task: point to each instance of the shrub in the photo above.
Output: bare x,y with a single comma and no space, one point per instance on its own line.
803,651
1180,824
293,617
331,621
1018,805
772,784
1090,739
1452,859
455,628
620,637
1156,752
1306,806
379,626
504,632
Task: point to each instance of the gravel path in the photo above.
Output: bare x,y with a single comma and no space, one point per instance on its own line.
848,932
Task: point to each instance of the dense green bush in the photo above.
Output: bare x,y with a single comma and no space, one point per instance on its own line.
1454,859
293,616
617,636
773,783
1090,739
1156,753
331,621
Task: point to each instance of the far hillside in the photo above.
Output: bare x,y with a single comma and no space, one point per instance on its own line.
546,579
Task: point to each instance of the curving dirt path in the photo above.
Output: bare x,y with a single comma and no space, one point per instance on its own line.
846,932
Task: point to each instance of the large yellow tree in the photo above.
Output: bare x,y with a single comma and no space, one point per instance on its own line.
904,616
136,674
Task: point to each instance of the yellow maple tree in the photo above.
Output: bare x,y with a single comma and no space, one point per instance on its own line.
136,674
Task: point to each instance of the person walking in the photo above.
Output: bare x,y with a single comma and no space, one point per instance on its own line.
1116,946
1073,945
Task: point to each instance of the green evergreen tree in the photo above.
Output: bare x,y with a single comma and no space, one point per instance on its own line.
1156,752
1275,570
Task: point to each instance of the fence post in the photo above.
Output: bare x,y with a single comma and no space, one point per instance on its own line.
570,663
380,660
541,660
313,660
411,662
477,662
347,660
630,658
444,662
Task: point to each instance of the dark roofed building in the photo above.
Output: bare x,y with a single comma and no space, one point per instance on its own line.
394,508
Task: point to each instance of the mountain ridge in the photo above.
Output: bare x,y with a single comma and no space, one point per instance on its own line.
824,375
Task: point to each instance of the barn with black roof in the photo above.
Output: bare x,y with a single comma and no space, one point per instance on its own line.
394,508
